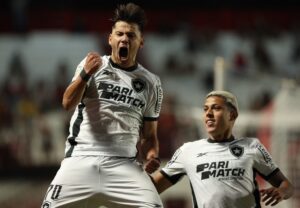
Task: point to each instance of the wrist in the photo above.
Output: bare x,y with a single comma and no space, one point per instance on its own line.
158,159
155,158
84,76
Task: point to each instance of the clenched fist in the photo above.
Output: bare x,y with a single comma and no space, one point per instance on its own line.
92,63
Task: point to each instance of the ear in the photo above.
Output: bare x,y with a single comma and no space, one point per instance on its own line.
233,115
142,43
109,39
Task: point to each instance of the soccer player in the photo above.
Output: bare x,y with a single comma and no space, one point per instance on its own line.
117,105
222,168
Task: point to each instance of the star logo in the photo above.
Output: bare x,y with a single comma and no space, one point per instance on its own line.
138,85
237,150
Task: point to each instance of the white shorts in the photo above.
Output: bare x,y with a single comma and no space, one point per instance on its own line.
100,182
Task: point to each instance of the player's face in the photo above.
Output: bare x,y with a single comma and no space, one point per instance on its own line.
217,118
125,41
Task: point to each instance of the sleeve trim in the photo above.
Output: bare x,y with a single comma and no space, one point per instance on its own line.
173,179
150,119
270,175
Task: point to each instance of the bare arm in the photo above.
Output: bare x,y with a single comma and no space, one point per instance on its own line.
282,189
150,146
75,90
161,182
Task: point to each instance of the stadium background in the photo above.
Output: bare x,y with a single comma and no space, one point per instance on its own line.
41,42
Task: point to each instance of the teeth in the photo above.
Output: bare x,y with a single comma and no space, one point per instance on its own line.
209,122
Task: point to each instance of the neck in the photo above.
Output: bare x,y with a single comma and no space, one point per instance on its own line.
126,68
123,64
221,139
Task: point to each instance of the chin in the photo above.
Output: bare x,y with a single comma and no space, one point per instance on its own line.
210,130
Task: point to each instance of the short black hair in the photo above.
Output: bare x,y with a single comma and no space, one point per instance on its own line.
130,13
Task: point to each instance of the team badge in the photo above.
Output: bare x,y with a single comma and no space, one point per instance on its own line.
138,85
46,204
237,150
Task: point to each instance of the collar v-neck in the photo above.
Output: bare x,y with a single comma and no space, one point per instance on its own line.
132,68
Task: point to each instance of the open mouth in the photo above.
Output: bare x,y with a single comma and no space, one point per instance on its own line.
210,123
123,52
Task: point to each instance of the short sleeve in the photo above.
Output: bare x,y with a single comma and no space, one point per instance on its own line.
78,69
263,161
175,169
156,95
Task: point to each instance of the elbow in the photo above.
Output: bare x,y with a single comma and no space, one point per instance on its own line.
67,105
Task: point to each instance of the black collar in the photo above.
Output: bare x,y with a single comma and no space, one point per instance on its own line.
230,139
132,68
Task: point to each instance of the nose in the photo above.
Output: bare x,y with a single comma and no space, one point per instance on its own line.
124,38
209,113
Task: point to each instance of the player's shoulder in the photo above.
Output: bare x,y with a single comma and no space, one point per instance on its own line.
247,141
148,74
188,146
105,60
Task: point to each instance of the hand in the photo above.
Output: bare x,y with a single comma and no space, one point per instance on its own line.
271,196
92,63
152,165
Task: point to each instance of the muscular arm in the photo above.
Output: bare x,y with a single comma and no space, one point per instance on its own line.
74,92
282,189
161,182
150,146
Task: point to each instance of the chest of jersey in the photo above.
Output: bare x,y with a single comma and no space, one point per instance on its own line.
120,88
221,162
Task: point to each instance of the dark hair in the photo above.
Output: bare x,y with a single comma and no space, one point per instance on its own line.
130,13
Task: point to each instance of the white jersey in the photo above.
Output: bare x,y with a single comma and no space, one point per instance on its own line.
116,102
222,175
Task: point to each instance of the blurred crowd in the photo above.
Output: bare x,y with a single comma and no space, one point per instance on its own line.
24,107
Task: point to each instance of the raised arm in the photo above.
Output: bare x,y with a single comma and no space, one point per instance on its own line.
282,189
74,92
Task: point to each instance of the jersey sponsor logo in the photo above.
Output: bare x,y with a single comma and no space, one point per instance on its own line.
138,85
265,155
120,94
236,150
219,170
159,99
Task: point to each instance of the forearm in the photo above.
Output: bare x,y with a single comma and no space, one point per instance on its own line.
150,148
161,183
149,143
286,189
73,94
